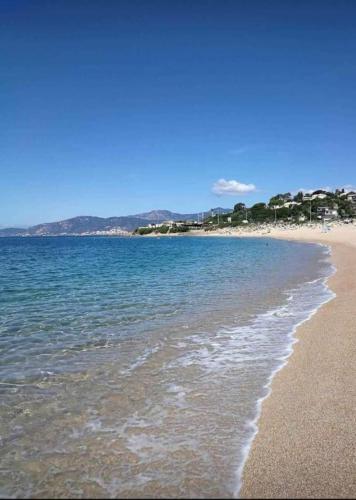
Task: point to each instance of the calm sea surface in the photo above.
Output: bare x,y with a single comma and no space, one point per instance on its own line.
133,367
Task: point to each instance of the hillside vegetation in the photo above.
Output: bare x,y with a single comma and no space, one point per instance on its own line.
285,208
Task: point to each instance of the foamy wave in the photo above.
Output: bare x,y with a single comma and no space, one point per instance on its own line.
323,295
268,338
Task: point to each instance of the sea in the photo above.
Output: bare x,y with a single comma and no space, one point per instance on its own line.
135,367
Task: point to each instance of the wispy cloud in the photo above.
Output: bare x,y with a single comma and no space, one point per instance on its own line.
239,151
349,187
232,188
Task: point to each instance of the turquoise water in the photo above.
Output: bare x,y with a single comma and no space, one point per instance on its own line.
134,366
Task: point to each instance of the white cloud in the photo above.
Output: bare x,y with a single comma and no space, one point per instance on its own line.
232,188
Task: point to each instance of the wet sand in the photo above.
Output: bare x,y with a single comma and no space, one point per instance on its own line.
305,446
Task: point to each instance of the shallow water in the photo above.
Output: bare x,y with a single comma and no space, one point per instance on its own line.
132,367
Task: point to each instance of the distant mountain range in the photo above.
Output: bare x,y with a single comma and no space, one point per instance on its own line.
100,225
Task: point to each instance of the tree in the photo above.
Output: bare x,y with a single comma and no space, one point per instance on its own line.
276,200
346,208
298,197
239,207
260,213
280,198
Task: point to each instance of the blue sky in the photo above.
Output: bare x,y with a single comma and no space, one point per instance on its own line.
113,108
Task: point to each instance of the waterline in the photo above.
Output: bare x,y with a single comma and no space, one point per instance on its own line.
137,368
253,424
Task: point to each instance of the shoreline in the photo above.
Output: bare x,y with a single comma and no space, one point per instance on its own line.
302,444
301,437
268,386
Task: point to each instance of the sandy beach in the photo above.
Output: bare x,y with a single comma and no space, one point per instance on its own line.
305,446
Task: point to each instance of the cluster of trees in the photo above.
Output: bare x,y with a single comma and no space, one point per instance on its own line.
280,199
161,229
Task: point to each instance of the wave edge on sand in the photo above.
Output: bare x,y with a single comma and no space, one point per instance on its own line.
293,339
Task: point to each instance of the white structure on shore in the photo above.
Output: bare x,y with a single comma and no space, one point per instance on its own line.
327,213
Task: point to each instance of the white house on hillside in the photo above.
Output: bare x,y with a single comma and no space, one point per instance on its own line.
289,204
350,196
319,194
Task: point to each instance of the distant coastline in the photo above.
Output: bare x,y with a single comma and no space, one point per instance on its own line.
283,208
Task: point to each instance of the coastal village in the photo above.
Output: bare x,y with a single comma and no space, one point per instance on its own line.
304,207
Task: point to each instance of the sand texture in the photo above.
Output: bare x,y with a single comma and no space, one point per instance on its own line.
305,446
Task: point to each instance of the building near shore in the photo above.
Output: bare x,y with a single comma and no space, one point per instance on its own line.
327,213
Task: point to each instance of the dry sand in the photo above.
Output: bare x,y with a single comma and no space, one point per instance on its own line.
305,445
